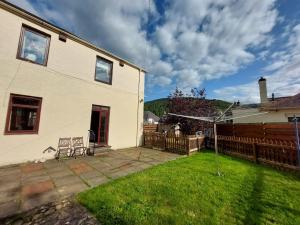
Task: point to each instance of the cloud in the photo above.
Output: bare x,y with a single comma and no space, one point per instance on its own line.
191,41
24,4
207,40
283,74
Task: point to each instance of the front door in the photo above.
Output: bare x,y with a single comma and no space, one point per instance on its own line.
99,124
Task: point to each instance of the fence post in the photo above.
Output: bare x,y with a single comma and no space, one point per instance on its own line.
152,140
254,147
187,146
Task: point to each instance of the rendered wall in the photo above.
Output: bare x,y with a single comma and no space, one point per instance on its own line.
270,117
68,90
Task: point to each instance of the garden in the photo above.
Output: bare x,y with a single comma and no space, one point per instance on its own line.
188,191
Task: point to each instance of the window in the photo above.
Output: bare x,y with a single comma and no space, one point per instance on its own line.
103,70
23,115
291,119
33,46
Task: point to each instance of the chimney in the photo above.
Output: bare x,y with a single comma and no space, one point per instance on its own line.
263,90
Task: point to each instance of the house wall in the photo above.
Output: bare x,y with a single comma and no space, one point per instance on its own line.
68,90
270,117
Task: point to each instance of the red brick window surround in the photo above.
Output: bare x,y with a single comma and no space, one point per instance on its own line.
23,114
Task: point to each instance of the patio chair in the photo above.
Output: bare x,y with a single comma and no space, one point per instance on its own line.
78,146
64,148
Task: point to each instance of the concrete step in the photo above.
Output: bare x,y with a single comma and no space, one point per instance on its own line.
98,149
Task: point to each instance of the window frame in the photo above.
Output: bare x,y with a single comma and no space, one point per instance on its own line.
9,112
111,70
298,119
21,42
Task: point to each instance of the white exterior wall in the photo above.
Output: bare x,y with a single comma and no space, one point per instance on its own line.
280,116
68,90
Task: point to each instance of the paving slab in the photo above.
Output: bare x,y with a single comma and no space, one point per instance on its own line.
66,180
29,185
39,199
9,208
95,181
67,190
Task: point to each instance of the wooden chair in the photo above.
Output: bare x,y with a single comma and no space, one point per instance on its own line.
64,148
78,146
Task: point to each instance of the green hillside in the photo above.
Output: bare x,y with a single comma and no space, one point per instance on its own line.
159,106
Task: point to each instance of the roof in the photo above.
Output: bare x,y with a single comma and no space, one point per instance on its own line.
41,22
248,106
286,102
289,102
150,115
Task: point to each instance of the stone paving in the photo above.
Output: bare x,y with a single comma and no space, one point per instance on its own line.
65,211
29,185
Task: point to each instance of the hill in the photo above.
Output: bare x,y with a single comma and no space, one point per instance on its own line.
159,106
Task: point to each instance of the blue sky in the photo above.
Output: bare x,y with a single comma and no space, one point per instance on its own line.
221,45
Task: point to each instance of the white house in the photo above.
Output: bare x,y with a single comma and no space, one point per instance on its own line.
55,84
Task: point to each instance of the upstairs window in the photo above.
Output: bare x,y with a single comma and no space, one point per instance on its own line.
103,70
23,115
33,46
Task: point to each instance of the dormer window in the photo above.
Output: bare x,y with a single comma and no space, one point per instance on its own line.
33,46
103,71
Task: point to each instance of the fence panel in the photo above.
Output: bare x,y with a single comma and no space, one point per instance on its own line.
173,143
150,127
279,154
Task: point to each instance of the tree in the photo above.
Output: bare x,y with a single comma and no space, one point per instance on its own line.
193,104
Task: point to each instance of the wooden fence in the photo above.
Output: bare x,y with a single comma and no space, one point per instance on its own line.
273,144
274,131
278,153
172,143
150,127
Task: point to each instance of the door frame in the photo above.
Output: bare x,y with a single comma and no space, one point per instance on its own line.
97,108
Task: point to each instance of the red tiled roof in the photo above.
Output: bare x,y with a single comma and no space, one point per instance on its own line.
284,102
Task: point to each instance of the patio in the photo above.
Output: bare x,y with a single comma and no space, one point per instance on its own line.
26,186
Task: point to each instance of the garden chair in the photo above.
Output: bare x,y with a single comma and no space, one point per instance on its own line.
64,148
78,146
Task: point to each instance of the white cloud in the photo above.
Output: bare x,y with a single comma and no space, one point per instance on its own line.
212,39
24,4
193,41
283,74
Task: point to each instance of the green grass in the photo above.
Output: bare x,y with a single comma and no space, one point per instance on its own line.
187,191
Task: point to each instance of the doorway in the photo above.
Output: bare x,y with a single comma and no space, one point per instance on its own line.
100,124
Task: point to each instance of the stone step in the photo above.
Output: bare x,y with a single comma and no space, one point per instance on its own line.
98,149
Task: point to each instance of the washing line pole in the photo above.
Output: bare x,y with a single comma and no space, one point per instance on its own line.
219,119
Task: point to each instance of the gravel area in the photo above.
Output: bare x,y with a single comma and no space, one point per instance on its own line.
63,212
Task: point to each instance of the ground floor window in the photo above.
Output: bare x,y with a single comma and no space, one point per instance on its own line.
23,114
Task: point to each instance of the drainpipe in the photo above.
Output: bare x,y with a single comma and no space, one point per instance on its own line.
137,112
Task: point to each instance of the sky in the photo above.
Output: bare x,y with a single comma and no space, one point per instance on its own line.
224,46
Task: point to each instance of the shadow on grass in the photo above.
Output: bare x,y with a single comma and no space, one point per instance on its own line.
253,213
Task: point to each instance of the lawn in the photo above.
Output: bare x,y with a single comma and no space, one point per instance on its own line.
187,191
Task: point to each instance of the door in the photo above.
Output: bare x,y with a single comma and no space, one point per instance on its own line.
100,124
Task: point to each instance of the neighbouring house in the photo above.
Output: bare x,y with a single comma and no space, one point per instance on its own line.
280,109
55,84
150,118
